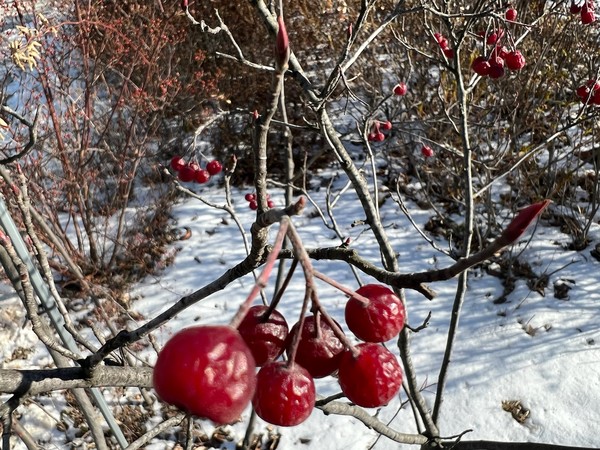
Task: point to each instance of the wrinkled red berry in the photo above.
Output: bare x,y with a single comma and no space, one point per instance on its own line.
177,163
372,378
266,337
378,321
515,60
285,396
319,351
207,371
214,167
400,89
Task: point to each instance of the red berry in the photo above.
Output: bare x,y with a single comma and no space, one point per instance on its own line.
270,203
184,5
448,53
511,14
379,320
319,351
372,378
201,176
177,163
387,125
587,16
194,166
441,40
379,137
285,395
595,100
207,371
582,92
249,197
253,205
372,137
186,173
266,337
214,167
515,60
427,151
400,89
495,37
496,72
574,9
481,66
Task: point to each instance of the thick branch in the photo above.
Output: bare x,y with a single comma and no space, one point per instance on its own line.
33,382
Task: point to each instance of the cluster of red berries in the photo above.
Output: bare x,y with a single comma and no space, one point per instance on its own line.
500,57
444,45
253,204
376,135
209,371
192,171
589,92
585,10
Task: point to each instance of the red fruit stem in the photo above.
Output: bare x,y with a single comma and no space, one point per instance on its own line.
336,329
279,294
298,333
261,281
349,292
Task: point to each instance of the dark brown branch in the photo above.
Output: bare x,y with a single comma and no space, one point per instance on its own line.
31,126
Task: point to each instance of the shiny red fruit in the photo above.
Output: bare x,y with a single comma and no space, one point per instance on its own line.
285,396
201,176
372,378
319,350
186,173
270,203
378,321
515,60
587,16
214,167
387,125
177,163
253,205
249,197
207,371
427,151
400,89
265,336
481,66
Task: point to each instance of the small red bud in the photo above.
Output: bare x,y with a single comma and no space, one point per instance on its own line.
524,218
184,5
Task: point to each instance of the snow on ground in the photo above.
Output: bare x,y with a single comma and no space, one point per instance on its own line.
539,350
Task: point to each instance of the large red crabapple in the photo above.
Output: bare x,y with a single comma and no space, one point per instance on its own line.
285,394
207,371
